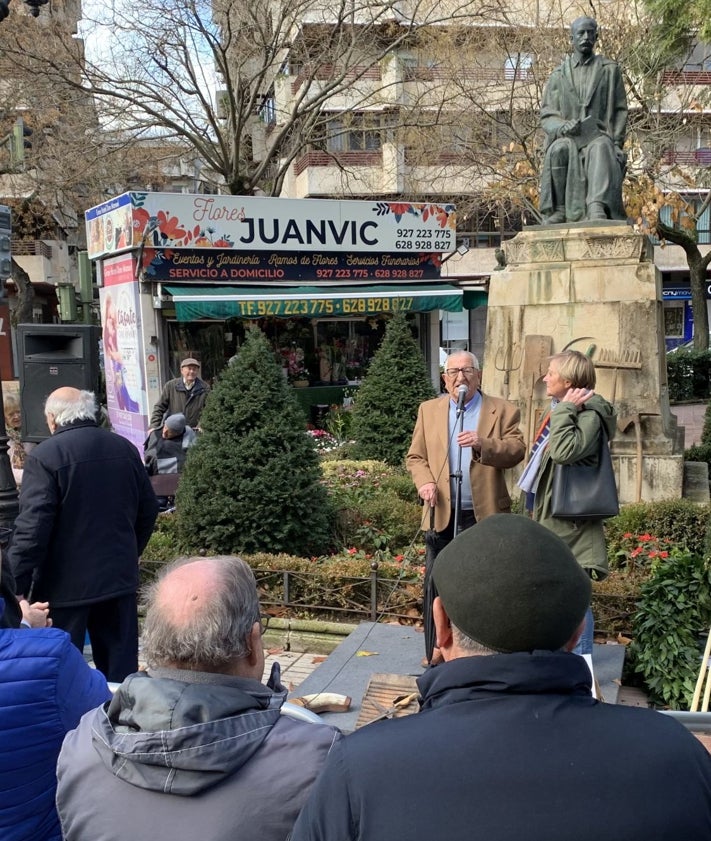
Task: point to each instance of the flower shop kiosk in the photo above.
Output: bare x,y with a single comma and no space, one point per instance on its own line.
182,275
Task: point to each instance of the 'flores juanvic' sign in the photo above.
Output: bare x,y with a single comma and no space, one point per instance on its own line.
246,223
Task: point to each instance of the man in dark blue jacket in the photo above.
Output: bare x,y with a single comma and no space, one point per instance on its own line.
509,743
87,510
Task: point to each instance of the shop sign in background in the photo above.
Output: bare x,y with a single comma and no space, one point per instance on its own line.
290,266
309,302
122,340
247,223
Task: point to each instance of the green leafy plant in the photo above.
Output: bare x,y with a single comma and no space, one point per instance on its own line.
338,423
681,522
385,409
376,504
688,373
252,481
639,550
674,607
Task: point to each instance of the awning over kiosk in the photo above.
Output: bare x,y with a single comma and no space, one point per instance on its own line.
222,302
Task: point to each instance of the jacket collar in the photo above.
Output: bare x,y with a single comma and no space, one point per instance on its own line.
521,673
78,424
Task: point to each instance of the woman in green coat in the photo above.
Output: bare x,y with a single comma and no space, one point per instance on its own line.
570,433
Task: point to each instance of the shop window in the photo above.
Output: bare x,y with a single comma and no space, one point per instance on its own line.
674,321
205,341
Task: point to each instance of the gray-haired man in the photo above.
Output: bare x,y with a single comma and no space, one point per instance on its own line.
196,746
87,510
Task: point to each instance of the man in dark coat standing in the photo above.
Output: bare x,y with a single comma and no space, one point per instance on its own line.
87,510
185,394
509,742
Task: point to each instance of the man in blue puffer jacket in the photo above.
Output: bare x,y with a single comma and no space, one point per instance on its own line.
45,688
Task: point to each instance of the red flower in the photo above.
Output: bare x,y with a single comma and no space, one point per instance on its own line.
169,226
140,219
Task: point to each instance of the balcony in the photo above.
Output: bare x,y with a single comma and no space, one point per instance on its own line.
498,75
688,157
31,248
687,77
337,159
326,72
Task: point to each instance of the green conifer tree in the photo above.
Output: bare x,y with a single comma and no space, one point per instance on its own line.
252,480
385,408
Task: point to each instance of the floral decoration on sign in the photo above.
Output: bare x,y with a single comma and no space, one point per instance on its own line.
164,229
444,214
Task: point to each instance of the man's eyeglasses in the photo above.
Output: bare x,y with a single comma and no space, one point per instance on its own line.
263,623
452,372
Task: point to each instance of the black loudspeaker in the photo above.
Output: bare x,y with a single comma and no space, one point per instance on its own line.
52,356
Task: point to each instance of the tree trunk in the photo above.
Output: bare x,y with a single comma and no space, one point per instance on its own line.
697,276
22,313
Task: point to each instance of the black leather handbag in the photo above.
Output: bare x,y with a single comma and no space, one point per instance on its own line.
586,491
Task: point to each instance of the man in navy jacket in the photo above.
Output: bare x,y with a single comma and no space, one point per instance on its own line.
87,511
509,743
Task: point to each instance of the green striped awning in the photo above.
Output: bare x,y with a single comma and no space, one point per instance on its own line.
222,302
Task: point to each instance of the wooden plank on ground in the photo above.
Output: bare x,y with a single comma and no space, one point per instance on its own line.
385,691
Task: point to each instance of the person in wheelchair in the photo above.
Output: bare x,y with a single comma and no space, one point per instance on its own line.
165,450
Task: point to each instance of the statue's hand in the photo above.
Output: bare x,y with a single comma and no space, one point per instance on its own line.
571,127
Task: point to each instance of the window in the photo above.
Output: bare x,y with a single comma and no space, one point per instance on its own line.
354,133
703,223
674,321
267,111
517,66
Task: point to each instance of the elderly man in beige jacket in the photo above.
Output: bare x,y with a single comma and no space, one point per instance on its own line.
490,441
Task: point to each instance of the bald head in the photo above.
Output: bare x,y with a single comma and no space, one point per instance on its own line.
202,614
187,591
66,393
66,405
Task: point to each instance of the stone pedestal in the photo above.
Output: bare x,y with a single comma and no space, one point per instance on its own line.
593,287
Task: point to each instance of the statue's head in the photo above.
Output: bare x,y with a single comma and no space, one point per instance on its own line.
583,35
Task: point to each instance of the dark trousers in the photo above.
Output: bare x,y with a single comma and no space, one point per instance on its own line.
435,541
467,520
113,633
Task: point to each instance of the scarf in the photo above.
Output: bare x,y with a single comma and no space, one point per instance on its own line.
531,474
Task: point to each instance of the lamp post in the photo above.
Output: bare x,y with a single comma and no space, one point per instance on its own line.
9,506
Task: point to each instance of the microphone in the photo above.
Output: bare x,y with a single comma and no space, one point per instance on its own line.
461,396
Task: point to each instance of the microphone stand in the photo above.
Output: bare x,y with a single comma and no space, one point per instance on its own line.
457,476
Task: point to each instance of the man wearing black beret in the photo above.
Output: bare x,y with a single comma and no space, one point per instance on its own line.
509,743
